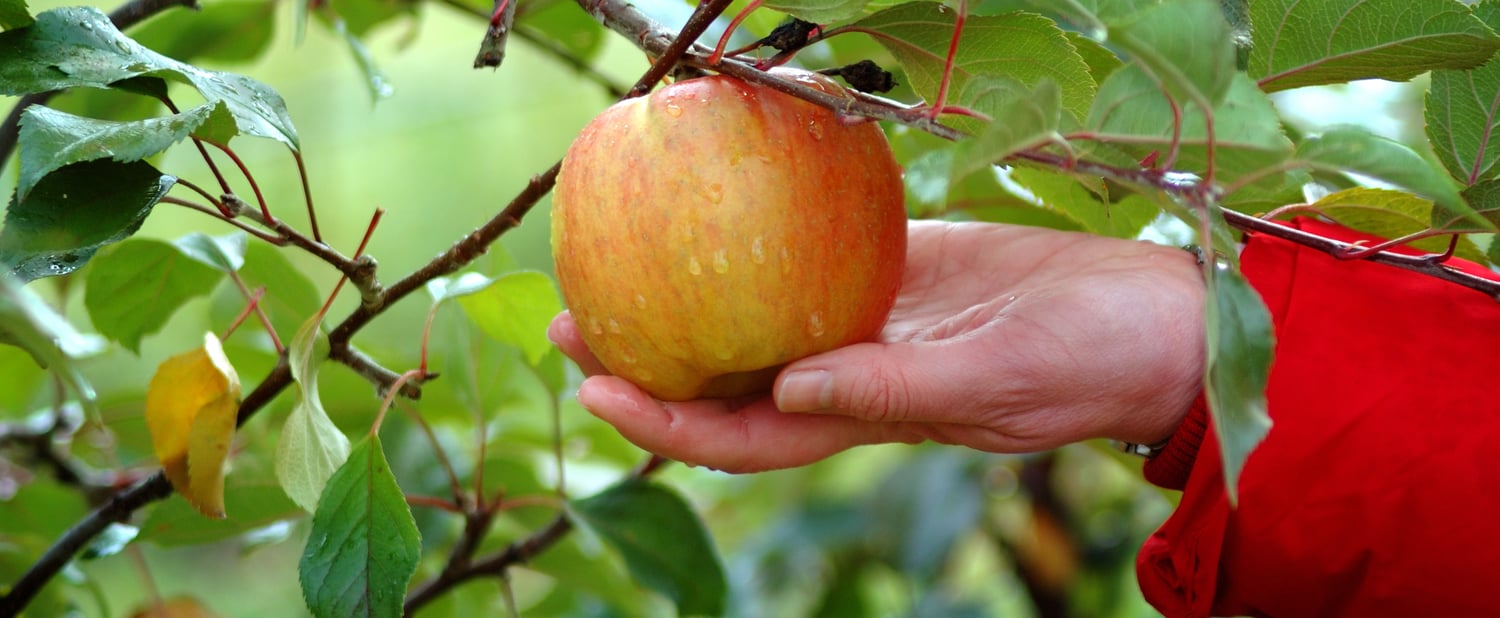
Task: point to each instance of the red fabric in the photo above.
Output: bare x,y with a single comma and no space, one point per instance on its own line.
1375,492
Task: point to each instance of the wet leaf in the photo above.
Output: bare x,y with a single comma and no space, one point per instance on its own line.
191,406
72,47
75,211
50,139
364,544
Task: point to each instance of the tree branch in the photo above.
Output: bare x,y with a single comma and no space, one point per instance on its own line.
461,568
466,250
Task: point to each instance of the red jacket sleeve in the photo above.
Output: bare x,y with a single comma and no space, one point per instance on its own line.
1375,492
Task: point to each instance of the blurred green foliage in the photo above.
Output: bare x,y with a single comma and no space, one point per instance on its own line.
878,531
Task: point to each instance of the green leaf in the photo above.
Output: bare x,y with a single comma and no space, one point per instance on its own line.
925,507
73,47
1351,149
363,16
375,79
112,540
1334,41
76,210
1483,197
1100,60
1240,346
364,544
1065,195
1004,46
43,507
1390,214
1024,117
818,11
225,253
50,139
565,25
26,321
1132,114
1185,44
663,542
13,14
221,31
1463,117
249,504
135,287
515,309
311,448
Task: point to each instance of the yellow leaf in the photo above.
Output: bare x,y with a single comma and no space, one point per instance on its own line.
191,406
177,607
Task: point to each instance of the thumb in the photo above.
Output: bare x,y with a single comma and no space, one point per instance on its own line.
931,381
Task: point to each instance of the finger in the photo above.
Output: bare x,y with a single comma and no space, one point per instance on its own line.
710,432
563,333
924,382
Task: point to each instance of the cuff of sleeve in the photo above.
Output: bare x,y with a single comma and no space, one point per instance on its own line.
1170,468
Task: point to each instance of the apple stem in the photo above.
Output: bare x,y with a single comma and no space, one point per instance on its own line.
728,32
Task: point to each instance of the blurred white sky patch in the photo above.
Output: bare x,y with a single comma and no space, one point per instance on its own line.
1377,105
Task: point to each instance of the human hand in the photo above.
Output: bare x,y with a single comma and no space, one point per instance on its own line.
1003,339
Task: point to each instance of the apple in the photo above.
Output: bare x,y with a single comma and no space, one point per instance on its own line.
710,233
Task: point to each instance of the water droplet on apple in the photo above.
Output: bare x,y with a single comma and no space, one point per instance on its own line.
724,354
674,110
694,267
640,301
595,327
614,327
721,261
815,129
815,325
628,356
714,192
644,376
758,250
786,261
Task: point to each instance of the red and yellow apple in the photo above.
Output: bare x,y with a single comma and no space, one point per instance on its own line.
710,233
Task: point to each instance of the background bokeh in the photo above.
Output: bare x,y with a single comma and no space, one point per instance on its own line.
879,531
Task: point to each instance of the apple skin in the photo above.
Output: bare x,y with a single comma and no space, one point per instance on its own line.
708,234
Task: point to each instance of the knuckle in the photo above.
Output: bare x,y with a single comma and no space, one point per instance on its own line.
881,396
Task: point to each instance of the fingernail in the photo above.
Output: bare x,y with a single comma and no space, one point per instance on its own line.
805,391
